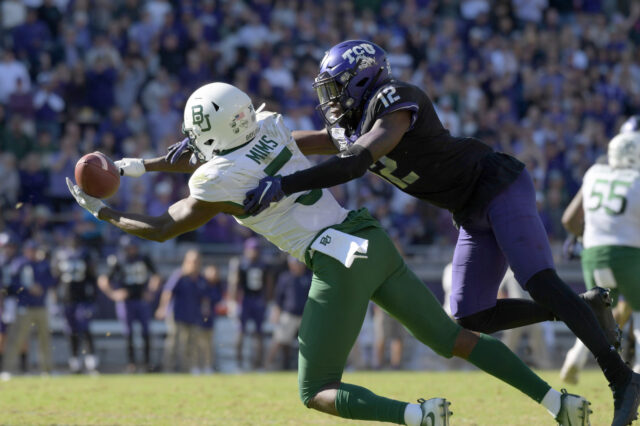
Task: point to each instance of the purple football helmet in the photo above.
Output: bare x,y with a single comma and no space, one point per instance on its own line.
349,72
631,125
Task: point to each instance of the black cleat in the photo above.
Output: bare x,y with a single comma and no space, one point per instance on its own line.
599,300
625,402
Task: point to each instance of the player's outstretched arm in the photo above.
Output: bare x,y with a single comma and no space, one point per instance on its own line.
184,216
573,216
136,167
178,159
312,142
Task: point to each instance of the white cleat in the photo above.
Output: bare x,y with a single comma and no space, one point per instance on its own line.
574,410
74,365
569,373
435,412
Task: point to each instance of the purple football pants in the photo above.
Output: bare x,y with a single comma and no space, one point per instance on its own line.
79,315
253,309
134,310
508,232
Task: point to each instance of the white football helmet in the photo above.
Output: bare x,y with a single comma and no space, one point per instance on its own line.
624,151
218,117
631,125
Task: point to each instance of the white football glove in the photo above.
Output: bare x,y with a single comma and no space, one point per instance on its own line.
91,204
133,167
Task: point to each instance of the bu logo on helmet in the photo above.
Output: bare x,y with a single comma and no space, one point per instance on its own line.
199,118
356,51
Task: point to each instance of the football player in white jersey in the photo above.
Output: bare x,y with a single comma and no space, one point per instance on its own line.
352,258
606,212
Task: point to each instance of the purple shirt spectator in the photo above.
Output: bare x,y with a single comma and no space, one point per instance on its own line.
186,292
101,84
292,292
29,273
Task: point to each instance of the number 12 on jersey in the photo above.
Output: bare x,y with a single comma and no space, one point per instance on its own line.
388,96
611,195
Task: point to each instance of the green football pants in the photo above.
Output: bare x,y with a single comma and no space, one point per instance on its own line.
614,267
337,305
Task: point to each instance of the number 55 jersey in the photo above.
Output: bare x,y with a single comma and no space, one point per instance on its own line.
611,207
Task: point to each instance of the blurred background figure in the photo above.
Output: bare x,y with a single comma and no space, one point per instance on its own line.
8,257
75,268
248,286
537,346
132,283
210,298
180,308
387,330
30,283
291,292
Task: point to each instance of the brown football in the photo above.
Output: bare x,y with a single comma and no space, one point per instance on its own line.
97,175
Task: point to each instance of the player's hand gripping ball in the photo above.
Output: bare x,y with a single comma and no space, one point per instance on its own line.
97,175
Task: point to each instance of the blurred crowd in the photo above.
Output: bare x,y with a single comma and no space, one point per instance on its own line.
547,80
263,297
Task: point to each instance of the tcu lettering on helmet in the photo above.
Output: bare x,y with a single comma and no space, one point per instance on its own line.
348,74
357,51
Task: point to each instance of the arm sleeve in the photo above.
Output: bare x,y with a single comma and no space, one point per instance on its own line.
336,170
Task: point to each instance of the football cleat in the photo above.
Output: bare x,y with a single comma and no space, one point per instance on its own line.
599,300
574,410
569,373
435,412
74,365
625,402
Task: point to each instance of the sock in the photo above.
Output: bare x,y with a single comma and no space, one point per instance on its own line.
147,349
75,345
614,369
507,314
24,364
546,288
1,362
636,335
552,402
412,415
357,403
493,357
89,339
130,353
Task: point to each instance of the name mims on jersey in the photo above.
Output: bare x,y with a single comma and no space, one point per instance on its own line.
292,223
611,202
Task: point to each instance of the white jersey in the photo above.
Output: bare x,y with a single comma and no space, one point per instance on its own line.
292,223
611,202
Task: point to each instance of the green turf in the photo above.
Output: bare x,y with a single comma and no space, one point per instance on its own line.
268,398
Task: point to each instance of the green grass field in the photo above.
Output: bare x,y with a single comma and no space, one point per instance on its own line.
269,398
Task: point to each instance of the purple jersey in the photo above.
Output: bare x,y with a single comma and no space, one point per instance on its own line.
131,274
186,292
77,276
210,296
292,292
459,174
28,273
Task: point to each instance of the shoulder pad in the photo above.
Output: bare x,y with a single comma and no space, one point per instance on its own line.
205,183
392,97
